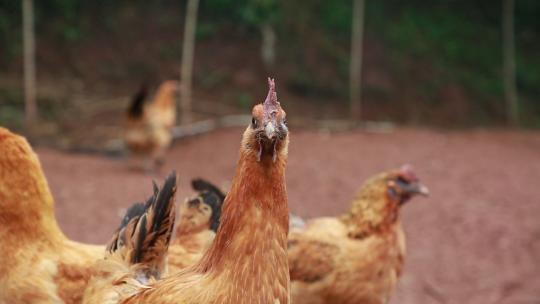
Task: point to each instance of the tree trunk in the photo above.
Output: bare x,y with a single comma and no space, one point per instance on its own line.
29,62
268,45
355,68
188,49
509,64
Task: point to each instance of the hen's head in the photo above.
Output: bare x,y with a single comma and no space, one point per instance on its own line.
200,212
168,91
267,135
403,184
171,86
377,203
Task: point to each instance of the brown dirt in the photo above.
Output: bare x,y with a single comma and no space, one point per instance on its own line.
476,239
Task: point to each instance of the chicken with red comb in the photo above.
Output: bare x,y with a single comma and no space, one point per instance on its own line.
358,257
247,262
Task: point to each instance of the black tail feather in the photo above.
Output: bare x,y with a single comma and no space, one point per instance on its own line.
136,107
146,229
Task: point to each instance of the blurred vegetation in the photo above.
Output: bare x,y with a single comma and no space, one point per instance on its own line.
433,51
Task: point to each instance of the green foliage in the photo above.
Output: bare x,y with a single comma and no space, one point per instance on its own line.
10,34
430,43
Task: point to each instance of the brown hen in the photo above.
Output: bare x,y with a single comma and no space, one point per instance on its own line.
358,257
247,262
39,263
148,127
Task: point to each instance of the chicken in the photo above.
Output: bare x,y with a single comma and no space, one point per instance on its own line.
197,225
138,248
45,266
247,262
39,263
148,127
358,257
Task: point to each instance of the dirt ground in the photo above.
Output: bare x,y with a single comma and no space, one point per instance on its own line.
476,239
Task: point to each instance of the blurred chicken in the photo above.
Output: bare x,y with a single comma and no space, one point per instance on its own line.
149,126
45,266
39,264
358,257
138,248
247,262
197,225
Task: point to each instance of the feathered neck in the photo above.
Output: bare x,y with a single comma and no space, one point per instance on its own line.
164,96
27,203
250,246
372,210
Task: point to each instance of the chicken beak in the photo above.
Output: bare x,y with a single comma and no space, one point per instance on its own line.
413,188
270,130
417,188
423,190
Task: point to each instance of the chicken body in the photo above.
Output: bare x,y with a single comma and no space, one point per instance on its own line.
247,262
39,263
358,257
332,268
148,128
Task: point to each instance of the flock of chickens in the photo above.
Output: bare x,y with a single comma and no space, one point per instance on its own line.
239,247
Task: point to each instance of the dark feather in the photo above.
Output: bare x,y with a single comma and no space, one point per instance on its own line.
141,235
146,229
213,197
136,107
136,210
201,185
212,200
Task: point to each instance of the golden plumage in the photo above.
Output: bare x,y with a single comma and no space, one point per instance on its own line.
148,128
356,258
39,263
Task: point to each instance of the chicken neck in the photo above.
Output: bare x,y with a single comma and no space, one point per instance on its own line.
250,246
372,211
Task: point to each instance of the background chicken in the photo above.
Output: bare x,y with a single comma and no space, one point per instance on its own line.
39,263
148,127
358,257
138,248
197,225
247,262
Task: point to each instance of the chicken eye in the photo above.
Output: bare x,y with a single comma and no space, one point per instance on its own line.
402,180
253,122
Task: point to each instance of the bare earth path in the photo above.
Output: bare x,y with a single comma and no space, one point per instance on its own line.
475,240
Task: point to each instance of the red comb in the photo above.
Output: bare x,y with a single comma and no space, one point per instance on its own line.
407,172
271,104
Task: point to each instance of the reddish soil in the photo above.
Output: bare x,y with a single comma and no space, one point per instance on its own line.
476,239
